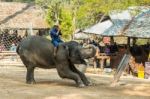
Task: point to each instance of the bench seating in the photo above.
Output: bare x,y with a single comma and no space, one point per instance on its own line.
102,57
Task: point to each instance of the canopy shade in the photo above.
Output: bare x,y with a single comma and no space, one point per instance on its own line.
116,29
140,26
120,19
99,28
81,35
14,15
120,15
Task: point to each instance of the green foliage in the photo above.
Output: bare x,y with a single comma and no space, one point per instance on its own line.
90,9
58,12
24,0
74,14
19,0
141,41
66,23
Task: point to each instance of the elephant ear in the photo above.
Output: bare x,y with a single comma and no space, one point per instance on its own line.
67,50
75,55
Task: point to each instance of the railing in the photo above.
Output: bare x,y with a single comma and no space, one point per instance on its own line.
9,58
102,57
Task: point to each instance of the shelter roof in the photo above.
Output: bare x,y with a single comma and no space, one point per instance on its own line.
120,19
140,26
116,29
113,27
81,35
21,15
99,28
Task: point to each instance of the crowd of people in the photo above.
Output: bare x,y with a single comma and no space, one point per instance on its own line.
139,52
102,47
107,49
9,41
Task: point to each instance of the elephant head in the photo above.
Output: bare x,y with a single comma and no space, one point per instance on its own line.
75,52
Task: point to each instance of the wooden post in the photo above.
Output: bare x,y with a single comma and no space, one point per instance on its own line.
102,63
121,67
134,41
128,42
111,40
95,65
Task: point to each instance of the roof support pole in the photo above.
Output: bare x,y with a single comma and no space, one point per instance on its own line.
128,42
111,40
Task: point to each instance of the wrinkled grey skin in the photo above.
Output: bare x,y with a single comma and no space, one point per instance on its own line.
36,51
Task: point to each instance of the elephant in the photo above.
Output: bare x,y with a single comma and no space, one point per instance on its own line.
37,51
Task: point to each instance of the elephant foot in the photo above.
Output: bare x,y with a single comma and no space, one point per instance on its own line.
90,84
30,82
87,83
81,85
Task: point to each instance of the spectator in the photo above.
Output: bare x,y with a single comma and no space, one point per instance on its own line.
107,49
13,47
2,47
101,47
113,48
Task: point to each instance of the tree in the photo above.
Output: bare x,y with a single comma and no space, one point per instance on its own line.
90,10
61,11
73,14
18,0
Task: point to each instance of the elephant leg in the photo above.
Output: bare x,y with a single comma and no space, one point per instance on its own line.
30,75
82,75
65,72
30,70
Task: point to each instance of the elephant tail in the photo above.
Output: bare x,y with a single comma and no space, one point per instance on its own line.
17,50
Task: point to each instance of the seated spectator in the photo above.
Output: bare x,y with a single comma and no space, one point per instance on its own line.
113,48
107,49
93,42
13,47
2,47
101,47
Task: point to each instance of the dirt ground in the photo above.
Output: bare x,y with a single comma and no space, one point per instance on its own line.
50,86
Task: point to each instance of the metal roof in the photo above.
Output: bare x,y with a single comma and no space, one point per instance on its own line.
140,26
99,28
120,19
21,16
81,35
116,29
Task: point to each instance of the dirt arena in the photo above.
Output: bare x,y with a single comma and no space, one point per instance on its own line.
51,86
